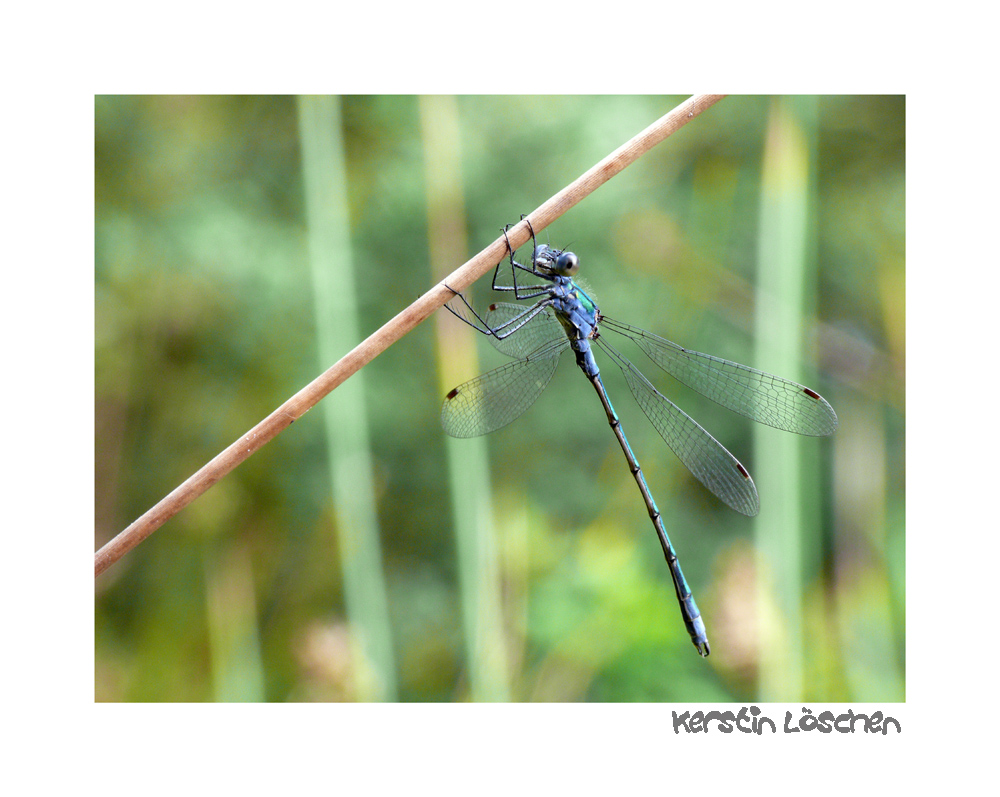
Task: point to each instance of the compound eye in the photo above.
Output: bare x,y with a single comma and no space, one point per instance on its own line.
567,264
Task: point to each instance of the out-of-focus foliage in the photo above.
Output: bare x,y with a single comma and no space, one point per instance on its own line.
205,323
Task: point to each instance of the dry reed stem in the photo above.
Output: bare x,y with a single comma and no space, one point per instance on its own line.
389,333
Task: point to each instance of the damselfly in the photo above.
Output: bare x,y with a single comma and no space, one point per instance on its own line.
564,317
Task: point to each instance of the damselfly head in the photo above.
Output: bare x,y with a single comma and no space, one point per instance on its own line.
543,257
565,264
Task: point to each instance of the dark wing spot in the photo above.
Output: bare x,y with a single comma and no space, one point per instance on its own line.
452,394
743,471
811,393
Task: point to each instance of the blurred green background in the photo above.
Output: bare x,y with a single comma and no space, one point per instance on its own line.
243,244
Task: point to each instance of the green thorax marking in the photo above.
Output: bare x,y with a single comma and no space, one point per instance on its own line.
579,293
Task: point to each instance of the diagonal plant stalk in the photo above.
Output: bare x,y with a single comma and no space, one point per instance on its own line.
460,279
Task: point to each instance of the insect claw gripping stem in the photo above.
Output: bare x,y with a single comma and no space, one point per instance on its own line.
521,292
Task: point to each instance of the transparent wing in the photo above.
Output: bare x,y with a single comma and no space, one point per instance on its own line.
491,401
539,331
760,396
701,453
